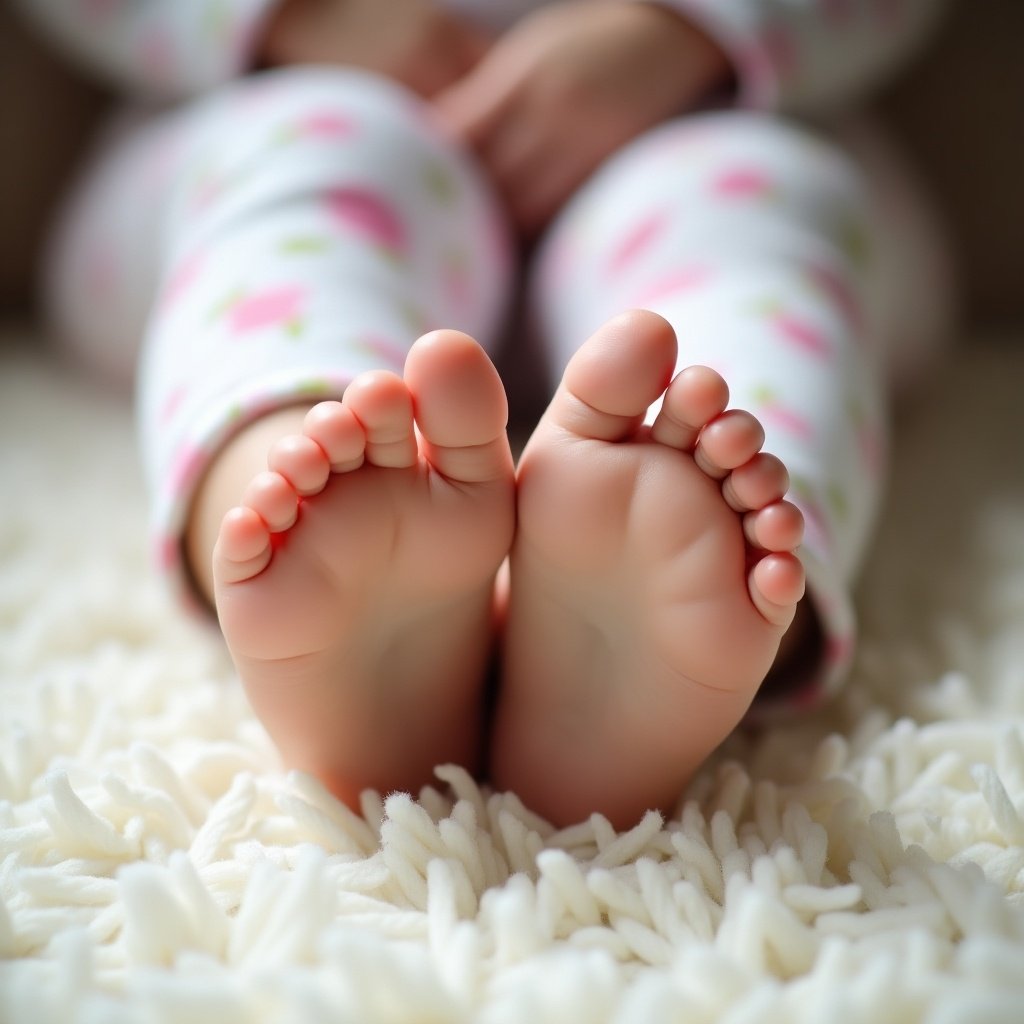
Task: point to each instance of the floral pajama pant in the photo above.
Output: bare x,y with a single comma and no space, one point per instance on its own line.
267,243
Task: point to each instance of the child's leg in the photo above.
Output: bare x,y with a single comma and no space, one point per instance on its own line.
314,226
636,637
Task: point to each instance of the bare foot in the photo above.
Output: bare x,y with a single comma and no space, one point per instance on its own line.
354,583
652,579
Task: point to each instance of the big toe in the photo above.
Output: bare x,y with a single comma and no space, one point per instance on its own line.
460,407
615,376
458,396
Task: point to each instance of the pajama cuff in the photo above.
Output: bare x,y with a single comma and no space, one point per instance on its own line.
175,489
829,594
756,49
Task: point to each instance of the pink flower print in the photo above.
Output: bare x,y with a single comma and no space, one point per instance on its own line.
368,215
637,240
839,292
168,552
682,280
325,125
185,469
797,332
272,307
774,413
181,279
172,403
744,183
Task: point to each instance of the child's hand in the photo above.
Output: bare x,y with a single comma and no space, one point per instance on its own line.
570,84
413,42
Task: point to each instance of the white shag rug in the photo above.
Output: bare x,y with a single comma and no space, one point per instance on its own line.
865,864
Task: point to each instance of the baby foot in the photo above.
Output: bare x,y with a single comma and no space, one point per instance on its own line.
652,579
354,582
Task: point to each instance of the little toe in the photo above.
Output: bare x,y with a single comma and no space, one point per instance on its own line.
243,547
302,462
460,407
273,499
727,442
335,428
695,397
776,527
776,583
381,402
615,376
757,483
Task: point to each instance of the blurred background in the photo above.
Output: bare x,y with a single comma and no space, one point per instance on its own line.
958,110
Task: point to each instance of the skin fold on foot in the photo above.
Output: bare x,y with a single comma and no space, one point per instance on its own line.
652,580
354,580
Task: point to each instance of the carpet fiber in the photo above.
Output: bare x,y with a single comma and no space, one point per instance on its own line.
865,863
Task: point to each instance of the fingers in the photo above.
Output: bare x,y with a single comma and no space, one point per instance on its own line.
472,108
519,134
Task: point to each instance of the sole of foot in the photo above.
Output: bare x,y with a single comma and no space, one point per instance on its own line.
653,576
354,580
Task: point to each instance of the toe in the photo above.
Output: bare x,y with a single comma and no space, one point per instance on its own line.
776,584
728,442
336,430
696,396
615,376
460,407
273,499
758,483
777,527
302,462
243,547
381,402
